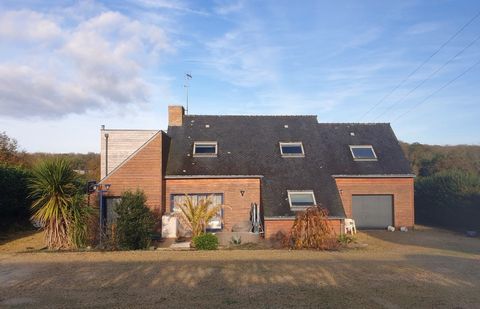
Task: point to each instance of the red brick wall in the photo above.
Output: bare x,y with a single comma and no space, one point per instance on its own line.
143,171
237,207
400,188
272,227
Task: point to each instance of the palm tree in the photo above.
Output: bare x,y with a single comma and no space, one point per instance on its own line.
197,215
54,188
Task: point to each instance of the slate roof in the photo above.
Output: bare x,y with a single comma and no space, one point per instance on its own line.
249,145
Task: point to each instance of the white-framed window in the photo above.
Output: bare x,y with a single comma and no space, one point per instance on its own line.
301,199
216,223
205,149
363,153
292,149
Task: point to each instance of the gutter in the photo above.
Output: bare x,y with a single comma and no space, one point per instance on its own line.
210,176
280,218
376,176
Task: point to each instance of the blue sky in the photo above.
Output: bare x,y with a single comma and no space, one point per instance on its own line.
66,69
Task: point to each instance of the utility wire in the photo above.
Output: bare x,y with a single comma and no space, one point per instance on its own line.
438,90
428,77
421,65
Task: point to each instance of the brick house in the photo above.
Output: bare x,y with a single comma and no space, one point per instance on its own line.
281,163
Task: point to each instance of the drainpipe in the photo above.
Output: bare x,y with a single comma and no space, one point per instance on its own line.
106,154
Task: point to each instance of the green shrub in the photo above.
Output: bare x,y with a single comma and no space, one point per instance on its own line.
449,199
205,242
346,239
134,222
81,216
14,201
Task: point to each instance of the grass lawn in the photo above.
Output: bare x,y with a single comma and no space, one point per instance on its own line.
428,268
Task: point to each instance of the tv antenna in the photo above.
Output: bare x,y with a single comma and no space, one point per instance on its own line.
188,77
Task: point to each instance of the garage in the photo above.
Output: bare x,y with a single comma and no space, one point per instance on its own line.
372,211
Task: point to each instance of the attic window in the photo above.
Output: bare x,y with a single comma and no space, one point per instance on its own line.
363,153
301,199
292,149
205,149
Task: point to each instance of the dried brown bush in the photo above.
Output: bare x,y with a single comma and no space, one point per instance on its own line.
312,230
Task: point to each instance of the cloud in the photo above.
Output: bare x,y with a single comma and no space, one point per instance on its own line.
229,7
244,57
99,62
364,38
25,91
176,5
422,28
27,25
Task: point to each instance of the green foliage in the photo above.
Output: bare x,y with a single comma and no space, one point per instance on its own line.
448,198
206,241
196,215
81,216
346,239
9,153
134,222
56,191
14,201
427,160
87,164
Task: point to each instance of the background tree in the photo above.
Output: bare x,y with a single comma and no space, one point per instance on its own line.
14,201
9,153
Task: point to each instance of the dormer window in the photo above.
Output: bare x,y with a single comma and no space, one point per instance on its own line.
363,153
300,200
205,149
293,149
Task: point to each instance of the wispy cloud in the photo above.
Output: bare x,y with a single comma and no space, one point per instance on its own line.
364,38
228,7
422,28
243,57
176,5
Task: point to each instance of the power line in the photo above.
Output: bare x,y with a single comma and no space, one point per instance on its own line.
438,90
428,77
421,65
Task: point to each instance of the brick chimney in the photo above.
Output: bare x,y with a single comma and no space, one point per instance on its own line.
175,115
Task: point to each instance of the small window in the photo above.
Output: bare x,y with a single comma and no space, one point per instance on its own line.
292,149
363,153
205,149
301,199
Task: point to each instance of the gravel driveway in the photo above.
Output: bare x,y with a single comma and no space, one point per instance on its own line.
427,268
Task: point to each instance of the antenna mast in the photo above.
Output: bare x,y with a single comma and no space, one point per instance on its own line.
188,77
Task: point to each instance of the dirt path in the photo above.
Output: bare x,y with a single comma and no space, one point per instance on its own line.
422,269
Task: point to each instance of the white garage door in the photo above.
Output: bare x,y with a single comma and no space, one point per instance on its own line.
372,211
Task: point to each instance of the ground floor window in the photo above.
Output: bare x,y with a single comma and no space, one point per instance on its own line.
217,199
110,210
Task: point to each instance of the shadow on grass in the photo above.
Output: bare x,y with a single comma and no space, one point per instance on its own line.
9,236
300,279
427,237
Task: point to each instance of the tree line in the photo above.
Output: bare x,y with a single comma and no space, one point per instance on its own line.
447,187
